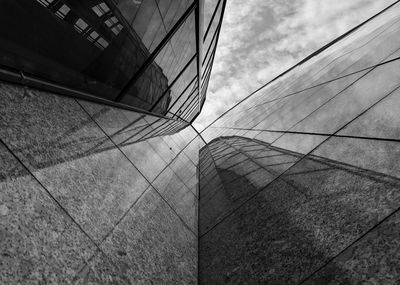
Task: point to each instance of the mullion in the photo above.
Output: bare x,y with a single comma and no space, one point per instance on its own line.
183,92
173,82
207,75
210,59
154,54
186,49
187,100
211,43
212,20
190,108
184,112
174,59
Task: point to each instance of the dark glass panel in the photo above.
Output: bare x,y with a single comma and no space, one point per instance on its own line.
151,91
187,93
213,26
209,8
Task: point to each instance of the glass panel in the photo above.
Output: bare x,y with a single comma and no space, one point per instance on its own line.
106,51
209,8
183,97
150,91
178,195
111,40
176,92
213,27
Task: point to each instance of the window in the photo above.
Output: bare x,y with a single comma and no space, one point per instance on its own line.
101,9
101,43
117,29
63,11
80,25
93,36
45,3
111,21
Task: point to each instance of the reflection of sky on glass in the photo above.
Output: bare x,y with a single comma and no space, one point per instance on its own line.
341,104
260,39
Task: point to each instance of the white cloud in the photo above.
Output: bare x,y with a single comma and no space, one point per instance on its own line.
261,38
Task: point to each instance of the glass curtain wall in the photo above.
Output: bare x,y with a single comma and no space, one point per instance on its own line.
98,172
300,181
94,194
152,55
330,97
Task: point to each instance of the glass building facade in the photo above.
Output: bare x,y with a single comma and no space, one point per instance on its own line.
89,198
152,55
104,180
300,180
98,171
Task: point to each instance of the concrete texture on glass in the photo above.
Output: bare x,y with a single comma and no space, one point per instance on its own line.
40,243
100,269
285,230
299,182
241,166
323,206
181,199
87,180
371,141
372,259
122,126
183,167
71,156
151,243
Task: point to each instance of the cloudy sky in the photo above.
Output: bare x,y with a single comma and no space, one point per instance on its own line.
261,38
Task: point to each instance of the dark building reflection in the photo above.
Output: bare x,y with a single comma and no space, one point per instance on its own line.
275,216
299,182
98,157
82,44
152,55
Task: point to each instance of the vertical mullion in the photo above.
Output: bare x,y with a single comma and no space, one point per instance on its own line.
199,40
156,51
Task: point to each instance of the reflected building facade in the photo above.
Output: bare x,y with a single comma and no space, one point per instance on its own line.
152,55
104,180
98,171
299,182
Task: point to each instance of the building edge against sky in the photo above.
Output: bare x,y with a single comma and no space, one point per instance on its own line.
101,185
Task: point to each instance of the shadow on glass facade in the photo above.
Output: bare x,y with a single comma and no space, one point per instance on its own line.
299,182
98,172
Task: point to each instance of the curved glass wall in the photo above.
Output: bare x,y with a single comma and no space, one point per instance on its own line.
143,54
